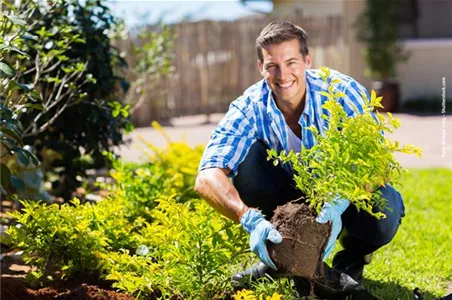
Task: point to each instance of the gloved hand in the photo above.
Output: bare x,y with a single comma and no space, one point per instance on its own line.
260,230
331,212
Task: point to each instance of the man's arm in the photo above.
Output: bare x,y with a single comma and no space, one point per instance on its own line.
216,188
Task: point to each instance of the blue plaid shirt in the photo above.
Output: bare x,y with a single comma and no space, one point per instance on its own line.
255,116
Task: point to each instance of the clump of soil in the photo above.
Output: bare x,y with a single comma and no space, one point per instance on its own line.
303,240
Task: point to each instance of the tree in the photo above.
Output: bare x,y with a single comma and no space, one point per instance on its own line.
68,79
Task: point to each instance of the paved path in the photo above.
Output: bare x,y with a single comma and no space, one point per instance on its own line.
432,133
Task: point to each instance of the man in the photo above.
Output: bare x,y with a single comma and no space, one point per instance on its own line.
275,114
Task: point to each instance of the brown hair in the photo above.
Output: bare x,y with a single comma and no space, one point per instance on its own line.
281,31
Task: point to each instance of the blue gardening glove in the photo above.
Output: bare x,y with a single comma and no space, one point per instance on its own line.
331,212
260,230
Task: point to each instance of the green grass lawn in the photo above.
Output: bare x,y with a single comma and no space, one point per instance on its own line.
421,253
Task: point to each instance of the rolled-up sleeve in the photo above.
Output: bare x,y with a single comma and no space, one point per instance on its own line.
231,140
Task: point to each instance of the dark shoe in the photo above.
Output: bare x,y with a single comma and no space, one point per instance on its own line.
355,255
351,264
332,285
244,279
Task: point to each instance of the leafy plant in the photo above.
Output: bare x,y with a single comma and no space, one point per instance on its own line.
169,171
169,249
269,288
65,239
377,29
12,26
197,245
351,158
66,83
151,62
188,250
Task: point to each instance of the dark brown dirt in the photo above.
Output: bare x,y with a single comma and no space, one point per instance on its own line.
303,240
15,288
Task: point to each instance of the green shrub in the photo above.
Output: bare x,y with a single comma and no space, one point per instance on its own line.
65,238
351,158
14,98
190,250
149,239
78,78
169,171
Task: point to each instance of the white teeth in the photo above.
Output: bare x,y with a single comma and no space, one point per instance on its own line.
286,85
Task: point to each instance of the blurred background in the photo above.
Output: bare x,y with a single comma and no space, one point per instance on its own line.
399,48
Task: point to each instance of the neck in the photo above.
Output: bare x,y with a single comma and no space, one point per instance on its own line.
292,110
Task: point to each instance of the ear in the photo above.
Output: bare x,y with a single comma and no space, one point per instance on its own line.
307,60
261,67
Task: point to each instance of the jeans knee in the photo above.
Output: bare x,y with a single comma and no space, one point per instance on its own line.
374,231
386,228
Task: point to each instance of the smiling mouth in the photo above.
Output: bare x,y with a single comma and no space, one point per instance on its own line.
285,86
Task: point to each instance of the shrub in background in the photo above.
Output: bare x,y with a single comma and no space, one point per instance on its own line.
169,171
77,73
13,98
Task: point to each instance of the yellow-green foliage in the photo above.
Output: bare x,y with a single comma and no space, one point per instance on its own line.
152,236
189,250
178,157
250,295
349,156
170,171
197,246
64,238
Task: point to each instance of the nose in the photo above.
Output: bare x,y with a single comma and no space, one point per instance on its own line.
283,73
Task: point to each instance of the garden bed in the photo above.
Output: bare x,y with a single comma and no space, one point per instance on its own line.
15,288
13,284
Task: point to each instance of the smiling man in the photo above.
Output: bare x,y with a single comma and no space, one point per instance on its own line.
275,113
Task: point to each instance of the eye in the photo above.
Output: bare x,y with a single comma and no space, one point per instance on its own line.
270,67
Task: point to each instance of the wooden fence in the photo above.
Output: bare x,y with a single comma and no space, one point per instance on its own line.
216,61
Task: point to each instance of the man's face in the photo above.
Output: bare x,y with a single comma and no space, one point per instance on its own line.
284,68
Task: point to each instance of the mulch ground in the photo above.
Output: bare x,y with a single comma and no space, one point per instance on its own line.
13,286
13,271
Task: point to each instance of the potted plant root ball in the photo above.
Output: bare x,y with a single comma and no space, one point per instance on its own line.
350,159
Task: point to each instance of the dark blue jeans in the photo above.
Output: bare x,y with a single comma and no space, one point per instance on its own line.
264,186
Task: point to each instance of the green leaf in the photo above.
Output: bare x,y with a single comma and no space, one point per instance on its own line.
9,143
22,86
12,132
6,70
125,113
323,93
5,175
115,113
23,156
229,233
16,21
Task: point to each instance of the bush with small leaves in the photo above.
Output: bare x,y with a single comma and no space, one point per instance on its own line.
351,158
